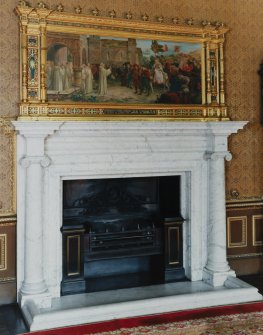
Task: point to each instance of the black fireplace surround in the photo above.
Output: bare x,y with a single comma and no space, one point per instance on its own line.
121,232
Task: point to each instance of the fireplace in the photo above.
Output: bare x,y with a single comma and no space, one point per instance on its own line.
51,155
121,232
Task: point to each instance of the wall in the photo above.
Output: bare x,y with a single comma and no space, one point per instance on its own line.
243,54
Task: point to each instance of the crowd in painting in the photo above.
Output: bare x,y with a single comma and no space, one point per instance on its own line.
167,80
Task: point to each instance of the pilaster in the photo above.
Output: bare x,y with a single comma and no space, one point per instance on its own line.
217,269
34,161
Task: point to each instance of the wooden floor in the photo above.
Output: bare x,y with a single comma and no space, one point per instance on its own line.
12,323
254,280
11,320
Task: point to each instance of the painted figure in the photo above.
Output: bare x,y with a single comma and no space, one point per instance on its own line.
88,80
83,78
50,74
58,80
103,74
67,80
32,67
63,76
158,77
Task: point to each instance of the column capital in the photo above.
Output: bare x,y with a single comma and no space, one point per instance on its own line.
210,155
34,133
26,161
40,129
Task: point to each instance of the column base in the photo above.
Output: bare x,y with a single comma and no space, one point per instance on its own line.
41,300
33,288
217,278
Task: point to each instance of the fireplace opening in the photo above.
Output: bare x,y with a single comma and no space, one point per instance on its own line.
120,233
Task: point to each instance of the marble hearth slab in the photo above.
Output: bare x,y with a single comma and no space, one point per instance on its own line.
109,305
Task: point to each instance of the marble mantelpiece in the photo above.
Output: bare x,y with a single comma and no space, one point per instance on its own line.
50,152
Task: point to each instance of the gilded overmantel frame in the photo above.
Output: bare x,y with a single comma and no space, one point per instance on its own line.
181,72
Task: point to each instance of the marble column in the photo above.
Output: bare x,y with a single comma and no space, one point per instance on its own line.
33,269
32,164
217,268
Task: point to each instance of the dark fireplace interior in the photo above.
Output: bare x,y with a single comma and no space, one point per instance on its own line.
122,232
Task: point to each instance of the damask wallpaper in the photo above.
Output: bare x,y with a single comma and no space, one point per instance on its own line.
243,54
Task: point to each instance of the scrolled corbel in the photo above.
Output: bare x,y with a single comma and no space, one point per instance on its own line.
45,161
26,161
210,155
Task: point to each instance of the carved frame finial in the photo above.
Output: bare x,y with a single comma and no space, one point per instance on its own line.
175,20
23,3
95,12
189,21
112,14
145,17
160,19
78,10
60,8
128,15
41,5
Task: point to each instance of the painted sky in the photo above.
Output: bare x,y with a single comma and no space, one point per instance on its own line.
184,47
145,46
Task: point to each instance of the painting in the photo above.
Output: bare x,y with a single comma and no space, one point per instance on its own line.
76,65
96,69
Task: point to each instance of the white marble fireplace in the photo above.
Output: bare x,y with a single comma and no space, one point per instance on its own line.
50,152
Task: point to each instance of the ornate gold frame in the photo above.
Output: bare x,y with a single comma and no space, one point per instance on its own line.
35,23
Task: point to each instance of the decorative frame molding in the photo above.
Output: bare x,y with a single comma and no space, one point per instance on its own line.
245,256
243,242
3,252
37,23
244,202
255,242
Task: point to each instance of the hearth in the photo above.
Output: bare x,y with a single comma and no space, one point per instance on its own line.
120,233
